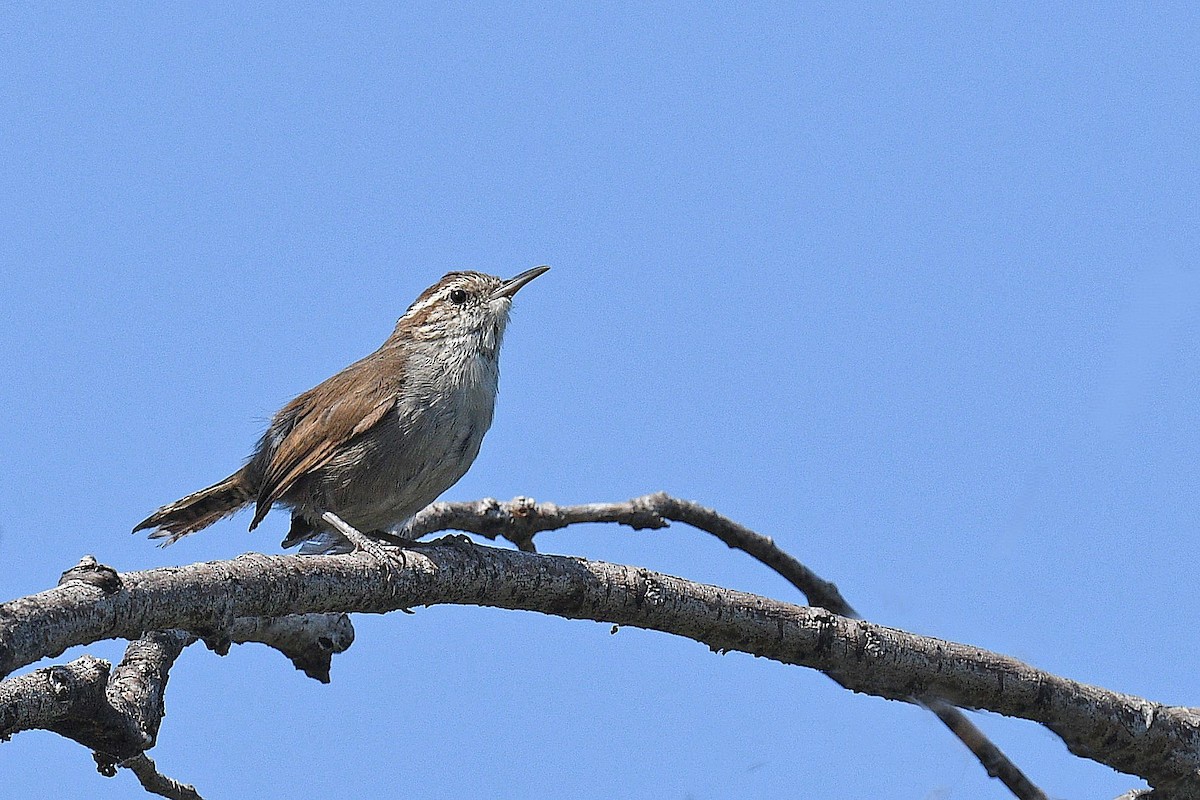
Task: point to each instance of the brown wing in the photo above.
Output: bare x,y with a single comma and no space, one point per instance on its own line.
322,420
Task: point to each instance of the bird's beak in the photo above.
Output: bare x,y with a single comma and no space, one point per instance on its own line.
513,285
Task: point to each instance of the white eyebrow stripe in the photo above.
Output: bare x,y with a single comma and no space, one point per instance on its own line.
426,303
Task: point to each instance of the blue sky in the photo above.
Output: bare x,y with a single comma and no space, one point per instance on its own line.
912,290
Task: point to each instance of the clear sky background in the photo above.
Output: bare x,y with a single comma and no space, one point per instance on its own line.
912,290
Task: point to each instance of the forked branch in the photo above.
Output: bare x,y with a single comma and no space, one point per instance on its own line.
521,519
116,712
1159,743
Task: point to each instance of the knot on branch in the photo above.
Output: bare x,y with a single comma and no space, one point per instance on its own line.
309,640
105,765
646,513
523,513
62,683
93,573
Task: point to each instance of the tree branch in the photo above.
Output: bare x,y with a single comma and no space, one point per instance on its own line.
155,782
1159,743
521,519
70,694
45,697
117,713
135,693
113,712
309,640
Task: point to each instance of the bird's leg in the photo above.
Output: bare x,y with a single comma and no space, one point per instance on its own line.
361,541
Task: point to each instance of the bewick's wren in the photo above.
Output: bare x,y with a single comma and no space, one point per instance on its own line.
381,439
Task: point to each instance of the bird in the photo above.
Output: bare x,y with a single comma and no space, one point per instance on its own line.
370,446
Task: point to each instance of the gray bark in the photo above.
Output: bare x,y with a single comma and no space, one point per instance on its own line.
295,605
1156,742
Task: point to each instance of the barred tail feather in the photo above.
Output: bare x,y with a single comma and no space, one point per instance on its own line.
198,510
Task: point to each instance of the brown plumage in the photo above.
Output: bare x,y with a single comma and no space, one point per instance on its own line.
200,509
326,418
381,439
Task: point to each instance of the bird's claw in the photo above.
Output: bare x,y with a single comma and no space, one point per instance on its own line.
358,540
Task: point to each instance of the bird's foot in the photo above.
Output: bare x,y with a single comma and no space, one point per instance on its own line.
361,542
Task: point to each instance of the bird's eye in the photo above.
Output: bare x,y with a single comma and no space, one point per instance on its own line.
458,297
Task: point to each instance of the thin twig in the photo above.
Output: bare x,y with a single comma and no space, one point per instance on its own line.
990,756
155,782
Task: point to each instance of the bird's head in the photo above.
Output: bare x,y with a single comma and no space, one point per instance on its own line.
464,305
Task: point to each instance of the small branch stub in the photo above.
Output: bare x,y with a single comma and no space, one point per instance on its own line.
93,573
